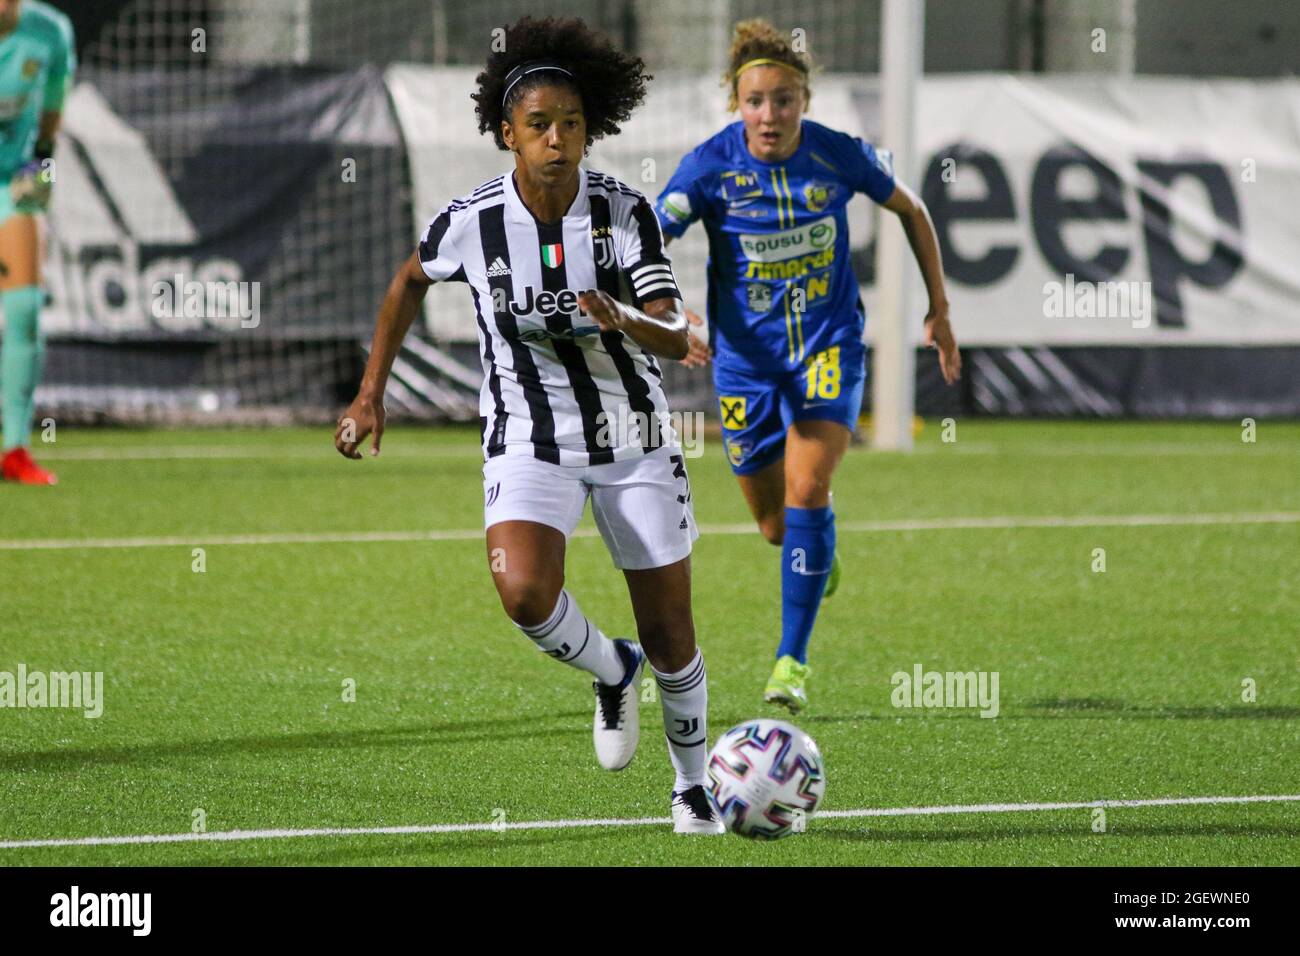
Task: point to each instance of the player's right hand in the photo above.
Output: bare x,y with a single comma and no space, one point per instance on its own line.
698,352
939,336
363,417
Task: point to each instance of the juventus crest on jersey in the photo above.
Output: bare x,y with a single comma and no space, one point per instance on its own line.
556,387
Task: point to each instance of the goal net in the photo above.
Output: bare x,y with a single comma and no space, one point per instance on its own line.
236,184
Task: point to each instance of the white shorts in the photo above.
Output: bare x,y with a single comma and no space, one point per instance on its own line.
642,506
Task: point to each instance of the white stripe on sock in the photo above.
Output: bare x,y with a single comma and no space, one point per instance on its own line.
571,639
686,719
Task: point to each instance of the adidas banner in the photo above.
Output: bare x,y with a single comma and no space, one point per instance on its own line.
224,202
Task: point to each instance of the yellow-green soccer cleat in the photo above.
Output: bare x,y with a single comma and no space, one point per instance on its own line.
833,579
786,685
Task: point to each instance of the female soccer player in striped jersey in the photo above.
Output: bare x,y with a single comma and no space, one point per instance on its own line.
567,363
37,60
785,320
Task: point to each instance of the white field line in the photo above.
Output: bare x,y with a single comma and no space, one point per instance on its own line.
1119,449
475,534
325,450
183,541
1018,807
235,835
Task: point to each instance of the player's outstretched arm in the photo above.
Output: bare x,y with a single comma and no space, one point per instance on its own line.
915,218
660,328
365,416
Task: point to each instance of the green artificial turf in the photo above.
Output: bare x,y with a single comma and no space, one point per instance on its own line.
224,689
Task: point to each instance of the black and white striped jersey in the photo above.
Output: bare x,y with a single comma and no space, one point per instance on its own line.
556,387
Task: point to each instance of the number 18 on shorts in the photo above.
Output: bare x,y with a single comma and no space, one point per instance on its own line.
757,409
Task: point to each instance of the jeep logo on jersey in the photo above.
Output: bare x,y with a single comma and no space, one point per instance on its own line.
790,243
542,304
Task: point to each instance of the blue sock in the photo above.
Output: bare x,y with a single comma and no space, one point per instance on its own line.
805,564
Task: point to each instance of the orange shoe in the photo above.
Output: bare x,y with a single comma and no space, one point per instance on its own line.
17,465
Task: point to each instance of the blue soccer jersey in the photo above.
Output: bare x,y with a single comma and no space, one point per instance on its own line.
781,287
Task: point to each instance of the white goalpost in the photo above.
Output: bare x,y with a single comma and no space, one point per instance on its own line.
893,321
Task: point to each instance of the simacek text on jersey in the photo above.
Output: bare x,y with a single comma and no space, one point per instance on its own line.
628,427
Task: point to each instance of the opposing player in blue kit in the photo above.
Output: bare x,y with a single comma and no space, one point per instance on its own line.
37,60
785,319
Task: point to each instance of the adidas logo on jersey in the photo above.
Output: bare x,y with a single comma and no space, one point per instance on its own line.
498,268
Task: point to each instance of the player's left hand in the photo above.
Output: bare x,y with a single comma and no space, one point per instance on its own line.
698,352
30,187
938,335
602,308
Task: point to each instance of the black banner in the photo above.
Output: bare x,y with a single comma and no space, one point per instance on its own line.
204,203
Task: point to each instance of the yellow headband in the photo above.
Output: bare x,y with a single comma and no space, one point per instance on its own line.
765,61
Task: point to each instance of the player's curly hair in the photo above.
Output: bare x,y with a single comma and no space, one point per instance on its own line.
611,83
757,39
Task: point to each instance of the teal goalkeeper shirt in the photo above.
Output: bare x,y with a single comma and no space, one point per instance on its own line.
37,61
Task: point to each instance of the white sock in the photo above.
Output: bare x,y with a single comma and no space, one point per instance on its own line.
685,699
571,639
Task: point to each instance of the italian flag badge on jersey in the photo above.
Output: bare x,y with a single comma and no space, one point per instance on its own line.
553,255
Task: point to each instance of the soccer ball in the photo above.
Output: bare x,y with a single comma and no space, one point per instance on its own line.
766,779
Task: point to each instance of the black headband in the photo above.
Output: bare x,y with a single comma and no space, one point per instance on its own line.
523,69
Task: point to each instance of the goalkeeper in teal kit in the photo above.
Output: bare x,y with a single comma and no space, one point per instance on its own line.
785,319
37,60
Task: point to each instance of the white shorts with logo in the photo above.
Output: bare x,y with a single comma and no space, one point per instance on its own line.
642,506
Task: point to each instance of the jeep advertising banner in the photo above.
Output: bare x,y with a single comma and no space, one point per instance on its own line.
1148,211
224,237
1071,210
